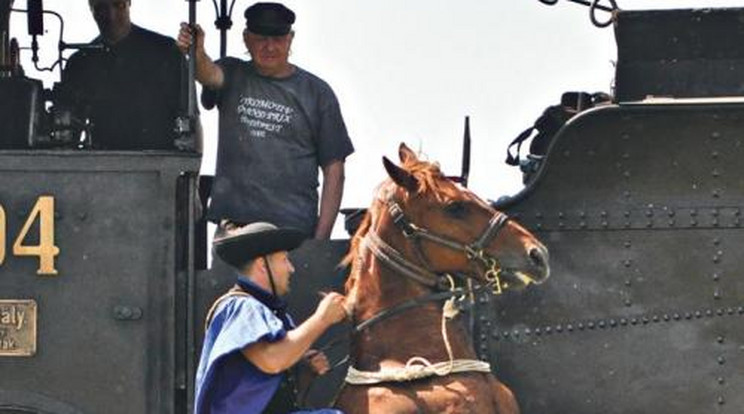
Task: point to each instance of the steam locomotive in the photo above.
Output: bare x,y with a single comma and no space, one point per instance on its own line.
104,285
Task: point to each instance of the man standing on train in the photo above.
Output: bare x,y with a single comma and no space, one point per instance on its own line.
130,84
278,124
251,346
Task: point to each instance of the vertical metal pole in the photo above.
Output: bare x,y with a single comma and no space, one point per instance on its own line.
192,65
466,153
223,30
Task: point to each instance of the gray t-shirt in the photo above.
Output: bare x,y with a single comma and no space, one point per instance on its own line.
273,136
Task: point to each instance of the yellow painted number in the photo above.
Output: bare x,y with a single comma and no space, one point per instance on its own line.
2,235
45,250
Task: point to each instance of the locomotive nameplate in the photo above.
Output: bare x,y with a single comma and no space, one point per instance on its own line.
17,328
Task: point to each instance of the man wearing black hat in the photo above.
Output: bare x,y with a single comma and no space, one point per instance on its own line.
278,124
250,341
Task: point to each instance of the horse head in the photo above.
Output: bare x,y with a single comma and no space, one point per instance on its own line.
445,228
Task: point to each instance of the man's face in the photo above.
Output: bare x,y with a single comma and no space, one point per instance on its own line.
281,269
270,54
112,18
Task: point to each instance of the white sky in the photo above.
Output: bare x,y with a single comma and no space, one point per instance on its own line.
410,70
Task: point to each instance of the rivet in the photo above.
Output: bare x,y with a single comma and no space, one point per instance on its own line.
590,325
613,323
602,324
582,214
715,135
714,154
560,214
721,380
716,259
561,224
721,400
538,215
676,316
645,320
649,213
634,321
698,314
515,333
716,294
538,226
559,328
580,326
627,224
495,334
626,194
719,312
671,213
671,223
716,276
623,321
709,313
715,222
483,337
538,331
627,282
569,327
741,310
603,213
730,311
627,244
693,223
715,173
548,330
628,302
626,174
721,360
626,213
625,155
714,212
716,241
527,331
666,317
693,212
656,318
688,315
566,153
715,193
649,223
605,224
719,339
582,224
627,263
505,334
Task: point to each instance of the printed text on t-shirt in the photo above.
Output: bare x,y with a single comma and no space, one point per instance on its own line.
263,116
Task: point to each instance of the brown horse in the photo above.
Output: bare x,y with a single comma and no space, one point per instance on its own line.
409,354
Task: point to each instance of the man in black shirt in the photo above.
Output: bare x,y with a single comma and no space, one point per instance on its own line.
130,88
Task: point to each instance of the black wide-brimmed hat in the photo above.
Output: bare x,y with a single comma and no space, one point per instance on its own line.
269,19
239,245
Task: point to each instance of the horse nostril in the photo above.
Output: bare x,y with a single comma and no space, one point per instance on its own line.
538,258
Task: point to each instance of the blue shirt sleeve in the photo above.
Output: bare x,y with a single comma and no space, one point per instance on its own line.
238,321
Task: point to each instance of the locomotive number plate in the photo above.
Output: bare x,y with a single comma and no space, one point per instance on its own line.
17,328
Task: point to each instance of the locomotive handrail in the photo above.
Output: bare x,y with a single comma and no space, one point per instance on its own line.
593,5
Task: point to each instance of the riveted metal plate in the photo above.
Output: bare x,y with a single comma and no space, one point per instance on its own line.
640,207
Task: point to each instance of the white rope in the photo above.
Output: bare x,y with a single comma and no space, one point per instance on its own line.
416,368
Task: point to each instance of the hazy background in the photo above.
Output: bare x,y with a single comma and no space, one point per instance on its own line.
409,70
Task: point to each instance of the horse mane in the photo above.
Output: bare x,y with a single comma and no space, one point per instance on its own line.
430,181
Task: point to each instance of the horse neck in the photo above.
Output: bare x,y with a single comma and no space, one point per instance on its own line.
414,332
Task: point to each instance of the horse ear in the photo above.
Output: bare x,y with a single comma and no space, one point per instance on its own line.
405,154
400,176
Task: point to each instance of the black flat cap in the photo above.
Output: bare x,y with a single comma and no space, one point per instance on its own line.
240,244
269,19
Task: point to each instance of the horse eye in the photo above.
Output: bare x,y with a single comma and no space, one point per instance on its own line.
456,209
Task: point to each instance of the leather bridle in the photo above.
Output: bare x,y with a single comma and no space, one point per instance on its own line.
475,252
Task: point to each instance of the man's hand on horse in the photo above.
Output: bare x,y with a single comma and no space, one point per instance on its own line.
332,308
